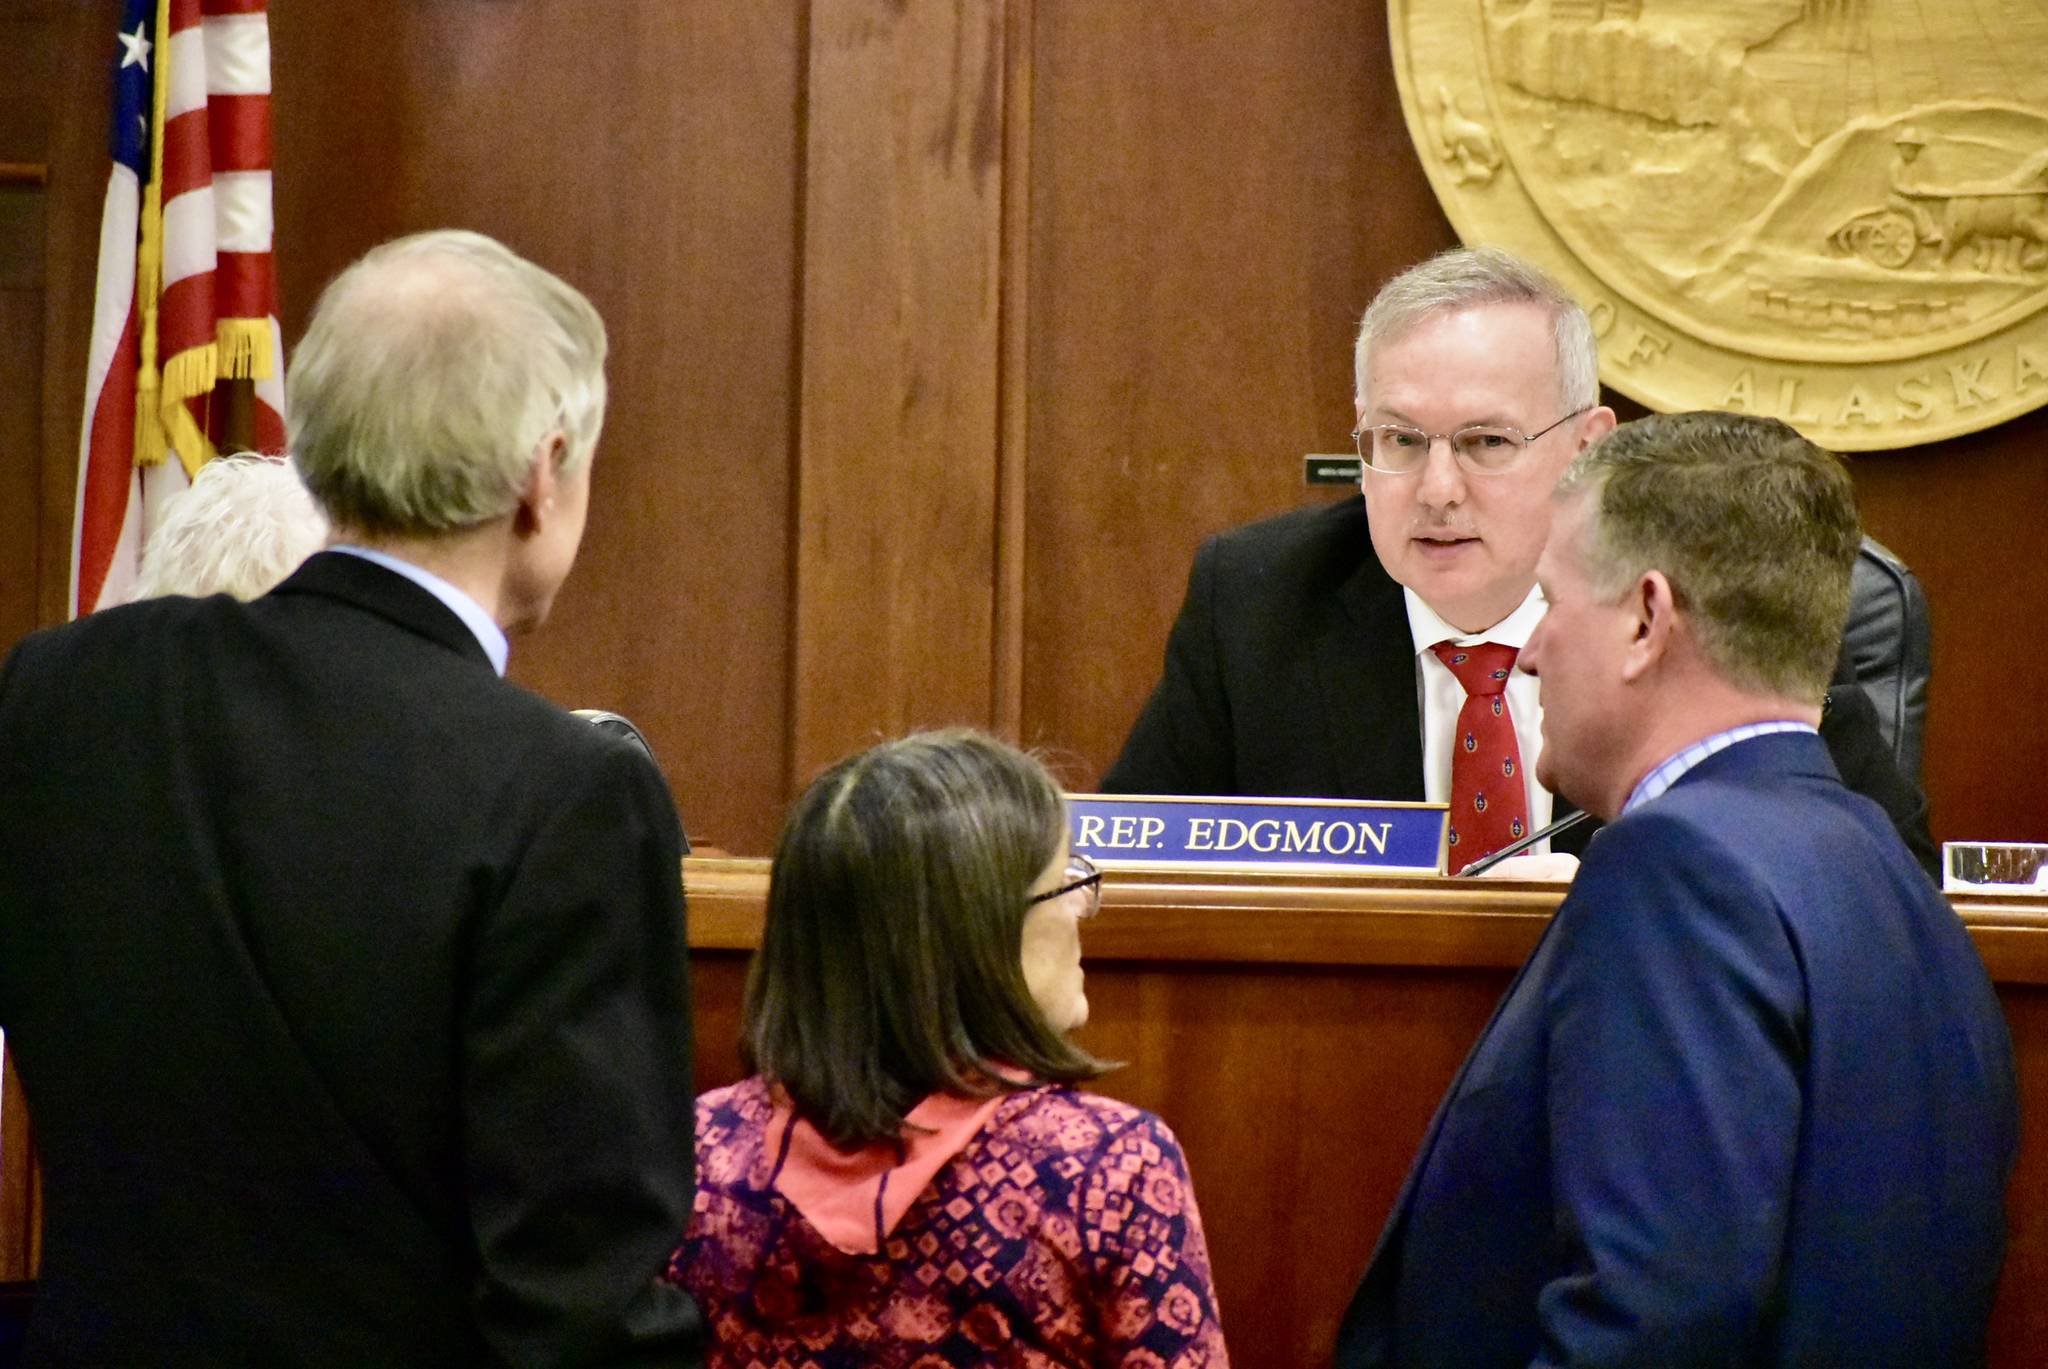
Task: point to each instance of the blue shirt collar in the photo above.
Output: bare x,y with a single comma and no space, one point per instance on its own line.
1673,769
488,634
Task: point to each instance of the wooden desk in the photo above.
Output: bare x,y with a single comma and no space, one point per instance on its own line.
1297,1033
21,1222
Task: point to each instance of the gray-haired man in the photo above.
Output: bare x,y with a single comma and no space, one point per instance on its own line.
346,979
1319,653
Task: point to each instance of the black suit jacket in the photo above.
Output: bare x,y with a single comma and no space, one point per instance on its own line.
347,985
1290,672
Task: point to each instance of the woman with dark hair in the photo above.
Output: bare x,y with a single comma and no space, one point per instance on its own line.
909,1177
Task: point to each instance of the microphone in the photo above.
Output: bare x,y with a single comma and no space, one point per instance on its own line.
1515,848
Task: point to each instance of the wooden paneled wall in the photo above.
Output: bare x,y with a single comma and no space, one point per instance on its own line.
22,205
896,444
652,154
942,330
31,43
21,1194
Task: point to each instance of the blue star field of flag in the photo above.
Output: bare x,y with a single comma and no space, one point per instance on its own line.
134,66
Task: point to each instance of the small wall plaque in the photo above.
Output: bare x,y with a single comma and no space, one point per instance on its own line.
1331,468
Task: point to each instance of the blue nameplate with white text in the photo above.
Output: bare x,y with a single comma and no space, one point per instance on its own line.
1319,834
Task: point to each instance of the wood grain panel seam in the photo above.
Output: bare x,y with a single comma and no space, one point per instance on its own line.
1006,707
800,274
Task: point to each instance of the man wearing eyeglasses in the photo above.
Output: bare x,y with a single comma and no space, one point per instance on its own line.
1302,666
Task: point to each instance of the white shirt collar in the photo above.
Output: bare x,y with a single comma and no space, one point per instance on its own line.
1428,627
488,634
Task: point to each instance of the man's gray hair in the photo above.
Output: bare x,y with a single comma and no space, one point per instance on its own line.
1465,277
431,372
245,524
1753,525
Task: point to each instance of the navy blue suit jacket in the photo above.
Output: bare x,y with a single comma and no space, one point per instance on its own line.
1750,1102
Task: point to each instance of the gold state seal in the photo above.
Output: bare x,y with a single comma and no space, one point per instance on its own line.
1833,211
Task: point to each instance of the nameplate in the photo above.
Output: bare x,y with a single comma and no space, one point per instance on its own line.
1296,834
1331,468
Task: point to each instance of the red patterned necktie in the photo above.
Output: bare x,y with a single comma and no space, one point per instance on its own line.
1489,801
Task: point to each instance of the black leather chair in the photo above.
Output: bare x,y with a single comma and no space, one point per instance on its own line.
1890,640
620,726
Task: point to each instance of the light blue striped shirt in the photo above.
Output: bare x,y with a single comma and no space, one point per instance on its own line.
1669,773
488,634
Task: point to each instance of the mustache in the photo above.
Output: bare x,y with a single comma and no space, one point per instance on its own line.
1441,528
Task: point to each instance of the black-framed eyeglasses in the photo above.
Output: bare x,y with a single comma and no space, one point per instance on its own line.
1481,448
1081,875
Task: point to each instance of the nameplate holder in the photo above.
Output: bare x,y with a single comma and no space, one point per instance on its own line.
1331,468
1325,835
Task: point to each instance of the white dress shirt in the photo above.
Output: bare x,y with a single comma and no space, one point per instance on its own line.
1441,696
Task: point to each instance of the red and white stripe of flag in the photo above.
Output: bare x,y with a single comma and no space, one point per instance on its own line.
187,294
106,526
218,315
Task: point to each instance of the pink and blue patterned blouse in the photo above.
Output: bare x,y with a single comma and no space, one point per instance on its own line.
1056,1229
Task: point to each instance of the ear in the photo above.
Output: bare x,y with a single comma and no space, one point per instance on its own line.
537,499
1595,424
1653,624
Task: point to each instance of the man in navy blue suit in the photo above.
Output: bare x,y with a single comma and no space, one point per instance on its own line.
1751,1100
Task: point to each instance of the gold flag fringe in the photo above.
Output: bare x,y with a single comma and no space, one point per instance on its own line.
191,372
245,349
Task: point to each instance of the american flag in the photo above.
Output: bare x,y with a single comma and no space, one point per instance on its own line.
186,305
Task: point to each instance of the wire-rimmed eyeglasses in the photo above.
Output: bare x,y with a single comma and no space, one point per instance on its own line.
1081,875
1481,448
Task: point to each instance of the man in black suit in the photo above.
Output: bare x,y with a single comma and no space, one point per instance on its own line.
1302,662
347,981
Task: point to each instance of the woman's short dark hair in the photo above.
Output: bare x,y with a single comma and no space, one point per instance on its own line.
890,967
